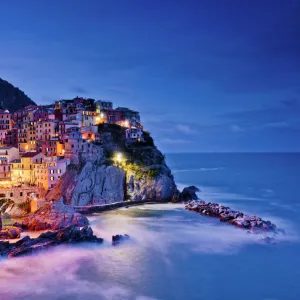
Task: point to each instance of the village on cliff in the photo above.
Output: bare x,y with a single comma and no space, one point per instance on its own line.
39,142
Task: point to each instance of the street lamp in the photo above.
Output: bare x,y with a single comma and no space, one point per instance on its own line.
119,157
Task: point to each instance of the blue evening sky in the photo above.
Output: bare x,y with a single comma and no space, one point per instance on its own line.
205,75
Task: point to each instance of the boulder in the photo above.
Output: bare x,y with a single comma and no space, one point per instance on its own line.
117,239
27,245
54,216
10,232
189,193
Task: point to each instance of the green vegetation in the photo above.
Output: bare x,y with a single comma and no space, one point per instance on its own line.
13,98
148,139
141,158
153,173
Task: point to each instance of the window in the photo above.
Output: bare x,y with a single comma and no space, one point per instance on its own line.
51,171
59,171
21,194
52,178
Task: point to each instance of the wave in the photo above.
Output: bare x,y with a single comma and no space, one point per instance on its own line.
106,272
196,170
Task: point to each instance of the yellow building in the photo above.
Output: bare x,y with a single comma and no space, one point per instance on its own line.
23,170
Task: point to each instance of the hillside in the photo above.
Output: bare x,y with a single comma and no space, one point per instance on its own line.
12,98
135,172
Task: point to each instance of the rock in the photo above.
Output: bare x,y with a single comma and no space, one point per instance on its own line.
96,185
269,240
237,218
54,216
17,224
70,234
10,232
157,188
280,230
189,193
117,239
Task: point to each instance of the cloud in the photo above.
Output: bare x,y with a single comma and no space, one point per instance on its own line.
186,129
236,128
260,55
79,90
284,114
175,141
120,89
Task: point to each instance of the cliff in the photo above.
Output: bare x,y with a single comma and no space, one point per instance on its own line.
141,174
12,98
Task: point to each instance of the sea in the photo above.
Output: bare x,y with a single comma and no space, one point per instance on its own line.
174,254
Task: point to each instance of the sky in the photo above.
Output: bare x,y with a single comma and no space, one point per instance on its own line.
206,76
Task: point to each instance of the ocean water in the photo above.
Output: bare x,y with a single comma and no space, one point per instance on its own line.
177,254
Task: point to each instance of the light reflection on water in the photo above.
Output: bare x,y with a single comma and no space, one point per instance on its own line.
170,251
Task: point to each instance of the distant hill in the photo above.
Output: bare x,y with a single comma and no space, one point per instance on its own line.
12,98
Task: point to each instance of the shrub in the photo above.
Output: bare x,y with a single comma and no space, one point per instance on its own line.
153,173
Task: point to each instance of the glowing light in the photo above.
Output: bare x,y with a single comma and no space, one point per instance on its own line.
119,157
126,123
102,115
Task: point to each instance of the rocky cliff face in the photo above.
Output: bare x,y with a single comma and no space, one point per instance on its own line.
94,184
161,187
98,185
143,175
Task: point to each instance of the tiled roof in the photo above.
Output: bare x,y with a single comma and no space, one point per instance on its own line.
30,154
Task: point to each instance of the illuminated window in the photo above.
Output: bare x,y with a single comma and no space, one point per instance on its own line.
52,178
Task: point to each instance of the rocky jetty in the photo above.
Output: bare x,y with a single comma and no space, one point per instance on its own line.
119,238
237,218
68,235
53,216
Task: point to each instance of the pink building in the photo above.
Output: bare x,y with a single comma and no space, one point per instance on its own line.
6,124
112,116
40,114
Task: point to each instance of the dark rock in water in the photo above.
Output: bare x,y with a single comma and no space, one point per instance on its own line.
269,240
280,230
117,239
189,193
237,218
27,245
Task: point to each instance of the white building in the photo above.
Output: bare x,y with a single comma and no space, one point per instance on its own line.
56,167
134,134
9,153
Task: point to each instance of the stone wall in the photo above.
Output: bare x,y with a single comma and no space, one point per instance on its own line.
20,194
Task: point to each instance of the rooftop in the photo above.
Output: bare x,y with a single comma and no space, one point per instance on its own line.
30,154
